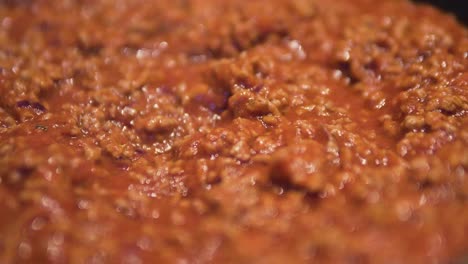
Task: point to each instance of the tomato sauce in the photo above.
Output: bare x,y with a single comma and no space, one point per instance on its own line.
208,131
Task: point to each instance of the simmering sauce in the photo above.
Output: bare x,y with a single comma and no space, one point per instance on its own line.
262,131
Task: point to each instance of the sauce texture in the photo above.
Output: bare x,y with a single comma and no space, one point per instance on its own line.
215,131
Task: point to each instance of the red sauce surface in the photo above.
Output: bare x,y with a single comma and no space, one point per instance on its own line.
195,131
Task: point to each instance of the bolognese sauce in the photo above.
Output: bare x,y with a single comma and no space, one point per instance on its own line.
194,131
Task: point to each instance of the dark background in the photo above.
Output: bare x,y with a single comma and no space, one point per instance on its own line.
456,7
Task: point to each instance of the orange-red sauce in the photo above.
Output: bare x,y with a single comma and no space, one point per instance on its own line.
195,131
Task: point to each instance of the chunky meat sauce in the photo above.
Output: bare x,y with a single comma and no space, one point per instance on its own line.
263,131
